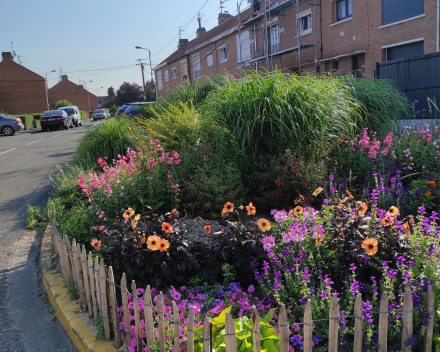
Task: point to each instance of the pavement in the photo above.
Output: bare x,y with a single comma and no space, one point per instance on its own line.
27,160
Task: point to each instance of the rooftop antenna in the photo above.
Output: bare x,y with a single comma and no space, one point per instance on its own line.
61,73
19,57
181,31
13,52
221,5
199,19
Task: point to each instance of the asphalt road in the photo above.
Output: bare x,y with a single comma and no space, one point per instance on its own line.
26,163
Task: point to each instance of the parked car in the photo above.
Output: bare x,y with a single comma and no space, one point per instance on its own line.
10,125
121,110
134,109
55,119
100,114
107,113
74,113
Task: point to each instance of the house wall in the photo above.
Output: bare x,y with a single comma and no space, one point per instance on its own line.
21,90
75,94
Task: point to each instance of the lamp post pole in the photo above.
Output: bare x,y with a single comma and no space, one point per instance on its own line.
149,55
88,97
47,96
97,94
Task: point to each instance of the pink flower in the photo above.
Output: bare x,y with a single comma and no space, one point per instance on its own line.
251,289
176,296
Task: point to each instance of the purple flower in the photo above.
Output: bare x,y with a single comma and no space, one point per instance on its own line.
266,266
196,290
366,309
317,339
426,319
392,274
306,275
251,289
406,277
385,265
401,260
421,210
303,300
354,289
296,340
352,267
276,285
234,285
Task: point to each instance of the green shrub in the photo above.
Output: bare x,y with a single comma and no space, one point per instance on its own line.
83,114
65,182
27,120
37,116
61,103
107,139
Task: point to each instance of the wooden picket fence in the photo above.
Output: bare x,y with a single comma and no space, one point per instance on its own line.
97,292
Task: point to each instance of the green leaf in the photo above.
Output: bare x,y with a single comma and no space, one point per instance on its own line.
269,346
220,321
269,316
245,346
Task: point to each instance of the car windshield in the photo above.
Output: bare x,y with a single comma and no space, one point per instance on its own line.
53,113
70,111
99,111
133,108
123,107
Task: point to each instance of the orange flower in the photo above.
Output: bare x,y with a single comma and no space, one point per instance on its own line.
164,245
427,193
264,225
298,210
166,227
410,218
370,246
175,212
431,183
207,228
153,243
388,221
393,211
343,201
362,208
317,191
251,209
135,220
349,194
229,207
318,240
300,199
225,212
128,213
96,244
407,228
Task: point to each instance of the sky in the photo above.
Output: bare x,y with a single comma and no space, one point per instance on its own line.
95,40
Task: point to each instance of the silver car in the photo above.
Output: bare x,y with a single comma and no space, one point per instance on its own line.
99,114
10,125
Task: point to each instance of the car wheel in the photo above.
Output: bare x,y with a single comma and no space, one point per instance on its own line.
8,131
66,127
76,123
80,123
44,129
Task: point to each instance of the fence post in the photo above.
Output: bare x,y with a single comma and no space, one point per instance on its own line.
80,281
231,338
137,320
308,326
407,321
358,324
92,284
148,315
161,327
70,256
256,330
190,331
103,294
206,335
98,289
86,279
430,302
176,325
334,317
284,329
114,308
125,307
66,259
383,323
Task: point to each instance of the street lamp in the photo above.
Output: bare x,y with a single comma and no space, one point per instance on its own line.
47,96
149,54
97,94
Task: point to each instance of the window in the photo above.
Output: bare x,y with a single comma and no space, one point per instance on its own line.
209,61
184,70
359,65
174,73
343,9
223,51
243,47
273,38
305,22
331,66
404,51
159,80
167,78
398,10
196,66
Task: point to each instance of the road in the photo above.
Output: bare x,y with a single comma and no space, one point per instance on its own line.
26,163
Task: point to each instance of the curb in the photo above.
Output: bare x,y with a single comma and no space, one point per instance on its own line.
65,309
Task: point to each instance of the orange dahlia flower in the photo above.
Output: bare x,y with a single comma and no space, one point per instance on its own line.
370,246
317,191
298,210
229,207
431,183
393,211
153,243
318,240
406,228
362,208
96,244
264,225
164,245
207,228
349,194
128,213
166,227
251,210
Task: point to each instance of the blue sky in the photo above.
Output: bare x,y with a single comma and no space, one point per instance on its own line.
95,39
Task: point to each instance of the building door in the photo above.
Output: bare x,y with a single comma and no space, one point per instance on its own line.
359,65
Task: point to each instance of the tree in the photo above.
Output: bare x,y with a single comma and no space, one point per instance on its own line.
61,103
110,92
152,95
129,93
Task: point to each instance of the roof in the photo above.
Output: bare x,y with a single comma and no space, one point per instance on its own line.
216,33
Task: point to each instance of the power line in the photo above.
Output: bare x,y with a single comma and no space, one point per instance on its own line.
81,62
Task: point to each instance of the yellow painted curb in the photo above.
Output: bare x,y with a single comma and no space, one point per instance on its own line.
65,309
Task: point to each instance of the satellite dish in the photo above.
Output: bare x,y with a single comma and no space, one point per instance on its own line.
13,54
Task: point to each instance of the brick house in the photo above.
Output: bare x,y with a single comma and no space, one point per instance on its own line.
21,90
74,93
337,36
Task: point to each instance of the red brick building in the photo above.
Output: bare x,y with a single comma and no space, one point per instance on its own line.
75,94
21,90
338,36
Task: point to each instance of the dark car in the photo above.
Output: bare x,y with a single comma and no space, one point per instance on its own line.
10,125
55,119
121,110
134,109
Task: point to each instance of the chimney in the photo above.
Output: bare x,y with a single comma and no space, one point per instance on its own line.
182,43
223,17
6,56
64,77
200,31
81,86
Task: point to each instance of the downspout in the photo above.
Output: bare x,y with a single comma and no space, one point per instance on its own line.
321,48
438,25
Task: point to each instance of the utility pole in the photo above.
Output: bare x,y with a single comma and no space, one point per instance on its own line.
265,38
143,79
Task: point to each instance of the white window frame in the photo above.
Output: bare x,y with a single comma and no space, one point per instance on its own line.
167,77
224,49
173,73
159,80
184,70
299,18
207,60
195,63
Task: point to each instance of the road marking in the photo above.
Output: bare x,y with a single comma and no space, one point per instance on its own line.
10,150
35,142
56,135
